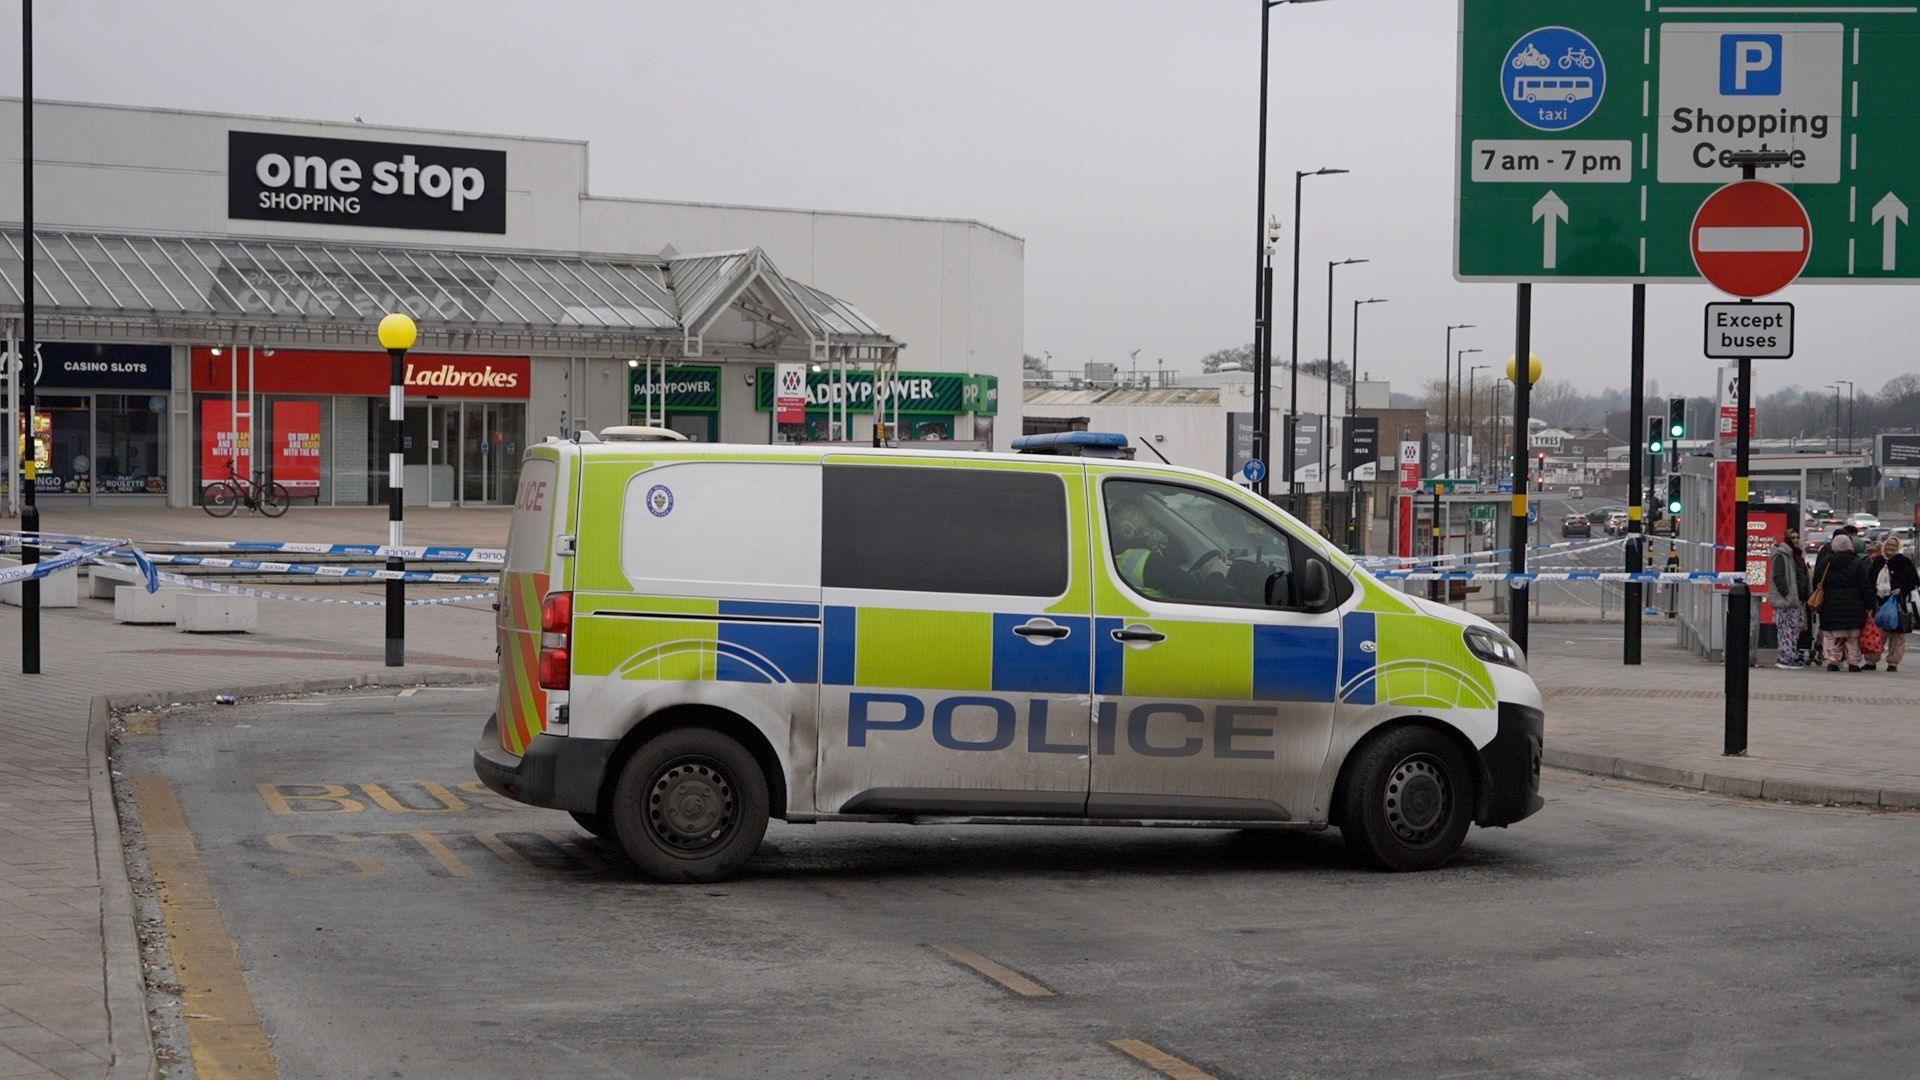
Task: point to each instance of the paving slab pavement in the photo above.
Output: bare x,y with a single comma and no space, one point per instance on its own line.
70,997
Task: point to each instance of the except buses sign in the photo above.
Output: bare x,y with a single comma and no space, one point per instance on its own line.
1591,131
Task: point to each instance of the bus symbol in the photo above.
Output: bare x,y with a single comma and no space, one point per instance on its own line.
1530,89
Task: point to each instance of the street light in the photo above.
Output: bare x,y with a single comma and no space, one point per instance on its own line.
1848,383
397,334
1326,420
1353,385
1446,396
1262,271
1473,411
1458,365
1293,381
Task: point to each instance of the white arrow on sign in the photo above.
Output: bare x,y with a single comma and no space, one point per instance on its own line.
1890,213
1555,212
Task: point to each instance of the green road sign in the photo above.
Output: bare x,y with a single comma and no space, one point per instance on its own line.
1590,131
1481,512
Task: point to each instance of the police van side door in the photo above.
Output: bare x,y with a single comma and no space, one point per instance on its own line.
956,658
1214,699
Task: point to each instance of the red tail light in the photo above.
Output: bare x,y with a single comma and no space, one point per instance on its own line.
556,640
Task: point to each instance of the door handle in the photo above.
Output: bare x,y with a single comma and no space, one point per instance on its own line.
1138,633
1043,629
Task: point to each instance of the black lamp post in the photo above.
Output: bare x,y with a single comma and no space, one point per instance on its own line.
1326,421
1473,413
1293,380
1459,365
25,368
1262,270
1446,408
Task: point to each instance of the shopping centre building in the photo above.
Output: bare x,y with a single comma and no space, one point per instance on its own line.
208,287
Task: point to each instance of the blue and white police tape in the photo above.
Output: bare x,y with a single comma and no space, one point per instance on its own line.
74,556
1697,577
364,573
269,594
429,553
1570,547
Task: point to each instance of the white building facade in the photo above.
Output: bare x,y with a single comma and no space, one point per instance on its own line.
208,286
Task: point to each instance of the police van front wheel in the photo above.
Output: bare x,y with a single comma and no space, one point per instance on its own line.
691,805
1409,801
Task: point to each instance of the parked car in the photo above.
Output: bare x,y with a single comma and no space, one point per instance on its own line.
1576,525
1599,514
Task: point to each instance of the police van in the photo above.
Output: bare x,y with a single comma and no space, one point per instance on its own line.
697,637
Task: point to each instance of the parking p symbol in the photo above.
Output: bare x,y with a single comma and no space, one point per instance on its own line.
1750,64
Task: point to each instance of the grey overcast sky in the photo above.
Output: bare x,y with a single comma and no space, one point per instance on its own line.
1115,136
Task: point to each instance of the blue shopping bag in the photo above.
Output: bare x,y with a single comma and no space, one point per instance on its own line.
1888,617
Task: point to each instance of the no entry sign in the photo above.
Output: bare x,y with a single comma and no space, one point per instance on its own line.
1752,238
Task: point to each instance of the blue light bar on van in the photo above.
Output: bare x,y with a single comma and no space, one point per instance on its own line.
1075,443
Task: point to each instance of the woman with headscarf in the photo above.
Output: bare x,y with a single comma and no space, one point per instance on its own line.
1846,594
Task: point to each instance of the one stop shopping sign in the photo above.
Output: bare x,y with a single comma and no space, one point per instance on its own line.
1590,131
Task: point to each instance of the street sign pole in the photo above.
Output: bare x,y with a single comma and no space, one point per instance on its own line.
1636,458
1522,399
1739,606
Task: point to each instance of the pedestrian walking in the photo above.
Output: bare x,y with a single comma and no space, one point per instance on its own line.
1895,577
1843,594
1787,590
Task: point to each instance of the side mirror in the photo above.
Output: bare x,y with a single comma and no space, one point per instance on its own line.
1316,585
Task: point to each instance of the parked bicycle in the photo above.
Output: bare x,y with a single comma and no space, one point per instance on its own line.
223,497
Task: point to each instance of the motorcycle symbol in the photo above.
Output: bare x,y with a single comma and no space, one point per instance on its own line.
1534,58
1575,57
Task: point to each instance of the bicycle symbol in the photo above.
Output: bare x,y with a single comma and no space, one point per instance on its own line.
1575,57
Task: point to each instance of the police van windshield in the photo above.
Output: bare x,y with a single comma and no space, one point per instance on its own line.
1188,546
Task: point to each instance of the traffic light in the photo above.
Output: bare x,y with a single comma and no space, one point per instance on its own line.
1677,418
1673,495
1656,437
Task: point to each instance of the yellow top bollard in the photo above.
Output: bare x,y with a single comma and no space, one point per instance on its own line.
398,332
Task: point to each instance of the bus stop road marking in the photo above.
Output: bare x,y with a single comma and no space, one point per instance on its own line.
223,1027
999,973
1159,1060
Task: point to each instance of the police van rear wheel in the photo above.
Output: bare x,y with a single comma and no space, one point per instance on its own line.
1409,801
691,805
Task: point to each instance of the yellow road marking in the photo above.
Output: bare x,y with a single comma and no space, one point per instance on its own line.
999,973
223,1027
1158,1059
451,863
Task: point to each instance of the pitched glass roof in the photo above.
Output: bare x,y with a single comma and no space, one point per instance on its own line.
479,296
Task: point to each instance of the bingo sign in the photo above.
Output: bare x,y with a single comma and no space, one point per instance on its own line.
790,394
1553,78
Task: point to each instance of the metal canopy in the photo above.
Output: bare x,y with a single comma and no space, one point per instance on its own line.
118,286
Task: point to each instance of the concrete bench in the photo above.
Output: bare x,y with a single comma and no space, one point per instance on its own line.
134,605
104,578
199,612
57,590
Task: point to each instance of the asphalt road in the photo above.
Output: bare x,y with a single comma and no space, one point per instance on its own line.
1623,931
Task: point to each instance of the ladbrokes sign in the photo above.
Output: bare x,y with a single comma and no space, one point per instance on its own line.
355,182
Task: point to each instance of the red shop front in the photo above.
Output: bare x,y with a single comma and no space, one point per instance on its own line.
323,423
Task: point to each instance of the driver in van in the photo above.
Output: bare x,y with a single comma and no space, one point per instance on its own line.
1151,563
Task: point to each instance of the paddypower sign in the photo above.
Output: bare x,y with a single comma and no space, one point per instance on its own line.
1591,131
272,177
941,392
